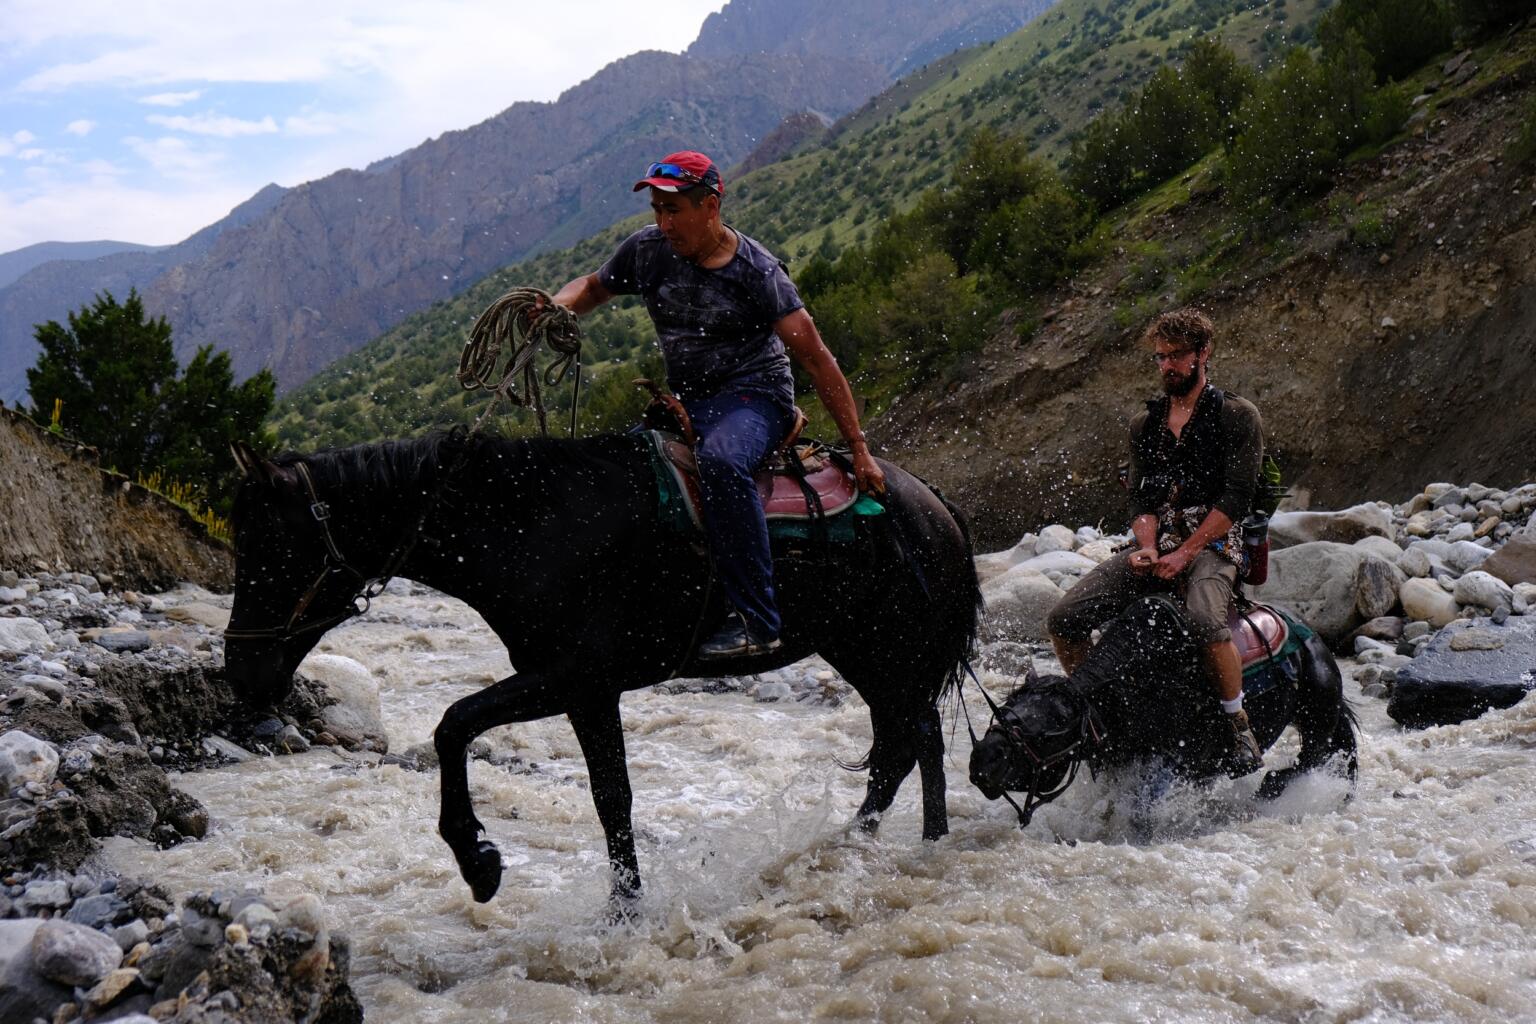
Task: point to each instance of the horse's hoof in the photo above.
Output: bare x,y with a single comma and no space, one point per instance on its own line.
623,908
1274,784
869,824
482,870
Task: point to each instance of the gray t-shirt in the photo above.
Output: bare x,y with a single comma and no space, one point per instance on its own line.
715,326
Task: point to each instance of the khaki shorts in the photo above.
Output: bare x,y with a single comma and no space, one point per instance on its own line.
1107,590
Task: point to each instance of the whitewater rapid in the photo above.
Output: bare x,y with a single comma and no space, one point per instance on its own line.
1415,901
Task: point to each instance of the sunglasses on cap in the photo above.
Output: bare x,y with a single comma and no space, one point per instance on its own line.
687,177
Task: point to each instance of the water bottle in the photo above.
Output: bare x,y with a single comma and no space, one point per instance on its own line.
1256,549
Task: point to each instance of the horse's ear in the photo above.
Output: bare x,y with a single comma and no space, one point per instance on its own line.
245,458
1031,675
264,471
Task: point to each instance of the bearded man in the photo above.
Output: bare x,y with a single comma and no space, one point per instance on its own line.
1196,453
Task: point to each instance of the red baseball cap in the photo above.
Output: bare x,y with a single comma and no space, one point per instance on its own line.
679,171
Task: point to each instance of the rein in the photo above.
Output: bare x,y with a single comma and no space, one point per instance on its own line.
1090,730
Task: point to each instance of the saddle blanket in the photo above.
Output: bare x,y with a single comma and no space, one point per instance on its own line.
1261,631
785,505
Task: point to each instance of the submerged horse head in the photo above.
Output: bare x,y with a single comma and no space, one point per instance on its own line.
1142,692
1035,742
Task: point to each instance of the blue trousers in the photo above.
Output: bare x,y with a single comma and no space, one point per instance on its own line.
737,431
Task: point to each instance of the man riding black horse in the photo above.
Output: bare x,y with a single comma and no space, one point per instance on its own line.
725,311
1195,459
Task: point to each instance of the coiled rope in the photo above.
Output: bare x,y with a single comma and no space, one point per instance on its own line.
511,321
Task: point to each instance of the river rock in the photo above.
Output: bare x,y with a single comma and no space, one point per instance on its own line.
1055,538
24,758
1017,603
1386,628
1346,526
98,911
120,641
218,746
199,613
25,994
1464,670
1427,600
1515,562
23,636
355,693
1333,587
1464,555
1097,551
73,955
1381,547
1417,561
1481,590
1059,561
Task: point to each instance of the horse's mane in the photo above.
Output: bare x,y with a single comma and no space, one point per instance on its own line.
384,466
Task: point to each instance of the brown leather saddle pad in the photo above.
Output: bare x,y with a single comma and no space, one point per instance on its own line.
778,482
1254,626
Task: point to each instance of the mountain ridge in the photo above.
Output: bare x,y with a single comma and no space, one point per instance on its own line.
313,277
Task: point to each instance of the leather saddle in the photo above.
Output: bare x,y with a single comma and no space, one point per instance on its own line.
1253,627
799,480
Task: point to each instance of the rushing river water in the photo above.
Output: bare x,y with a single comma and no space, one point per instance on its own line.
1414,901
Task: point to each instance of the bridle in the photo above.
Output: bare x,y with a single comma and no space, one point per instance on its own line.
1090,731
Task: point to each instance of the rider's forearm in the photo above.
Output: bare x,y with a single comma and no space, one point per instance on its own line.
1144,529
582,295
835,394
1214,527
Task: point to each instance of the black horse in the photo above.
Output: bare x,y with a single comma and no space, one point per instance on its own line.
558,545
1142,693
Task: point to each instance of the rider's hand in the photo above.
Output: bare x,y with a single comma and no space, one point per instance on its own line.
1143,559
870,477
1174,562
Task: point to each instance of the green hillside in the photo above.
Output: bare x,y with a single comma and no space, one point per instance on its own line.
1041,84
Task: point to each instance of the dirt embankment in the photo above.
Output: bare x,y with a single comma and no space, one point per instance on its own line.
61,511
1376,365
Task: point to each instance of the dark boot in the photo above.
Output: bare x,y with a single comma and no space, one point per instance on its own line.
1246,757
733,641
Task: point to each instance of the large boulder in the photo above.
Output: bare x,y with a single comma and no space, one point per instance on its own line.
1515,562
1059,561
1017,603
353,694
1488,593
1464,670
23,636
73,954
24,758
1346,526
24,993
1333,587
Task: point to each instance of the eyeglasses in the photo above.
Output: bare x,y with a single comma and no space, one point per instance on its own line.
679,174
1159,358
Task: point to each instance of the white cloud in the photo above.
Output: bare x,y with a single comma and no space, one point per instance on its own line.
30,154
23,137
7,147
213,124
171,99
173,157
315,124
82,127
72,211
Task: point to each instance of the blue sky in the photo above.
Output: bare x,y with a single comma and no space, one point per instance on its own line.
145,121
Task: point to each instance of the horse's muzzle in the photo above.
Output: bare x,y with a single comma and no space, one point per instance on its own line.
989,766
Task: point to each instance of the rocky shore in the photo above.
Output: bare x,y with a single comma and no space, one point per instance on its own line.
101,694
106,694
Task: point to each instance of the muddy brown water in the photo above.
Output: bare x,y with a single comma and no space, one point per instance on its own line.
1415,901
